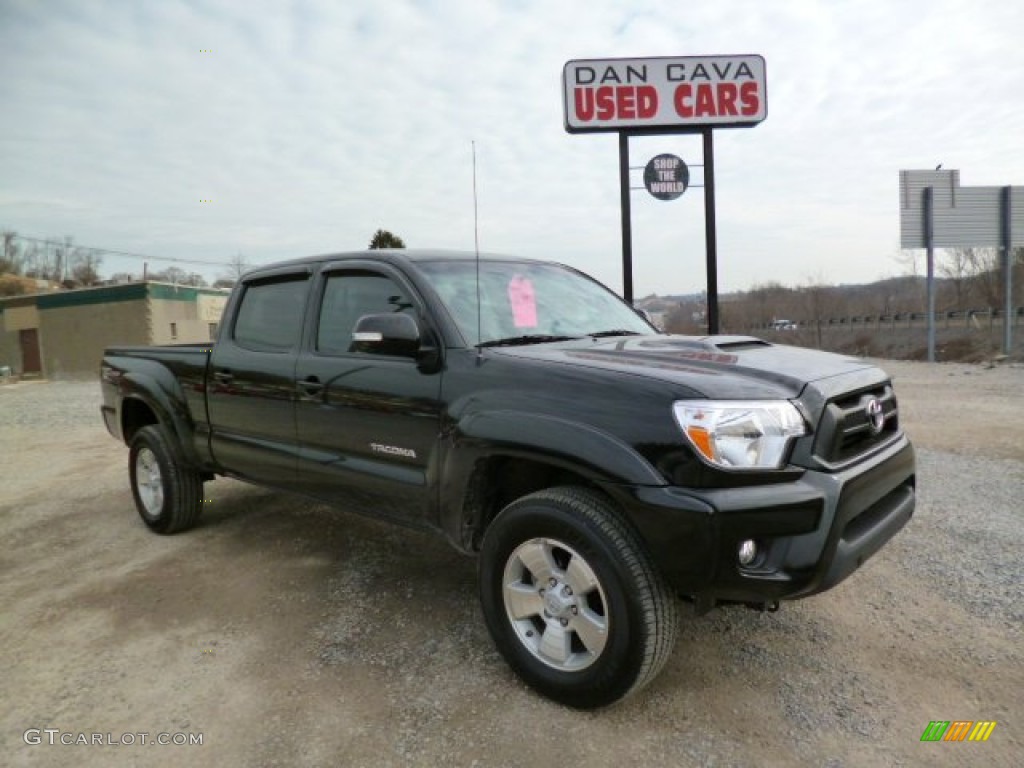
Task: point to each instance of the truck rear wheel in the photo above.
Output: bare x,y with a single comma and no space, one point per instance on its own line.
573,600
168,494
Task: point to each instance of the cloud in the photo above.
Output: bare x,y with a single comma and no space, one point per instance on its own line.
310,125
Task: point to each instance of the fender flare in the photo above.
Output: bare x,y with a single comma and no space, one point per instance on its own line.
573,446
162,394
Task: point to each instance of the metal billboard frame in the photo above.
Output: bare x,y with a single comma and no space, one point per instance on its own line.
936,211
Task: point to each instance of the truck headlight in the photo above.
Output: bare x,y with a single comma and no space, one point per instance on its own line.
740,434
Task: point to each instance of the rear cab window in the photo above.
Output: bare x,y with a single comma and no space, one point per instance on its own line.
269,317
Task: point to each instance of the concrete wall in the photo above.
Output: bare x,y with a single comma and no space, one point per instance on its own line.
191,311
10,349
188,327
72,338
18,313
21,318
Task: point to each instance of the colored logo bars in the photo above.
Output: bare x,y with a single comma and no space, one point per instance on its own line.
958,730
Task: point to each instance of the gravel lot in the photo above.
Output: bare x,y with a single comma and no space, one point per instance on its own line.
289,633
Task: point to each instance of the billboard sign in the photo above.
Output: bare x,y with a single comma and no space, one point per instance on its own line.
962,217
667,93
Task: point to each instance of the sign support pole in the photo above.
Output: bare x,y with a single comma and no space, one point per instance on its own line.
1007,238
710,230
627,227
929,237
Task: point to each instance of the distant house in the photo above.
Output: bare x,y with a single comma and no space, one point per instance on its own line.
64,333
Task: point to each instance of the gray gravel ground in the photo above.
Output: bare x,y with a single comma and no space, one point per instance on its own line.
289,633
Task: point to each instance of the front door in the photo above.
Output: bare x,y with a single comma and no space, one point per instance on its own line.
368,423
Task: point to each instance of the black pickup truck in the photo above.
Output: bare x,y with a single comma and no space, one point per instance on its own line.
597,468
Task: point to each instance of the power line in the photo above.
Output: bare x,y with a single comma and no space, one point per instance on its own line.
61,244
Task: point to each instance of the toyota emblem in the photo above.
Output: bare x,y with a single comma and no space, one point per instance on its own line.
876,416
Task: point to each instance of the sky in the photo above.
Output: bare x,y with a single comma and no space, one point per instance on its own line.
201,130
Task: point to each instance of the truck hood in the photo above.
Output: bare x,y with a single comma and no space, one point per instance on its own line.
725,367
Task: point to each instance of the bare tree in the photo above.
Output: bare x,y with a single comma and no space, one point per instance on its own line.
64,253
178,276
10,260
816,301
37,261
955,267
985,274
85,267
175,275
30,260
771,301
908,258
237,266
53,260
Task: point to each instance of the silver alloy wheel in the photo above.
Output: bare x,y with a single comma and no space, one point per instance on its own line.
556,604
149,482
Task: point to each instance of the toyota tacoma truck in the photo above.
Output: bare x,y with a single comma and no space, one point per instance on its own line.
598,470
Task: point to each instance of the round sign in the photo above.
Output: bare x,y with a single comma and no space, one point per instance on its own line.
666,177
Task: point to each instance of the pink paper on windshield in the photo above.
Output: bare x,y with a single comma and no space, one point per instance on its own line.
523,301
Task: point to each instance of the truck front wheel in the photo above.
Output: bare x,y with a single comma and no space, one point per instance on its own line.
168,494
572,599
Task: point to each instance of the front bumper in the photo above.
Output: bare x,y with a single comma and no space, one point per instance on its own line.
811,533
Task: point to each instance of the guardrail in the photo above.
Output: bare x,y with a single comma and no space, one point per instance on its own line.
967,318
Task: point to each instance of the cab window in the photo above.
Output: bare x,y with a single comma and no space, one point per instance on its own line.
270,315
350,295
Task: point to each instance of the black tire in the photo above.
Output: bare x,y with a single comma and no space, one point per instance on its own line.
588,646
168,493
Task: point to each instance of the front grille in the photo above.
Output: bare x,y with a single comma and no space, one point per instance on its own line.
845,431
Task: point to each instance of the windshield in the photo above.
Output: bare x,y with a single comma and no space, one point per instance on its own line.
528,300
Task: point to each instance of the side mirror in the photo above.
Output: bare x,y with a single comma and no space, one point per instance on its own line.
388,334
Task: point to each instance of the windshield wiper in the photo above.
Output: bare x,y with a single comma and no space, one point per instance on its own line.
536,338
616,332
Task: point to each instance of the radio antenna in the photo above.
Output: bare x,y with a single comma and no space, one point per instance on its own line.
476,245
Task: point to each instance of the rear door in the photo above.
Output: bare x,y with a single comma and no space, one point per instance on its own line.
368,423
251,382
